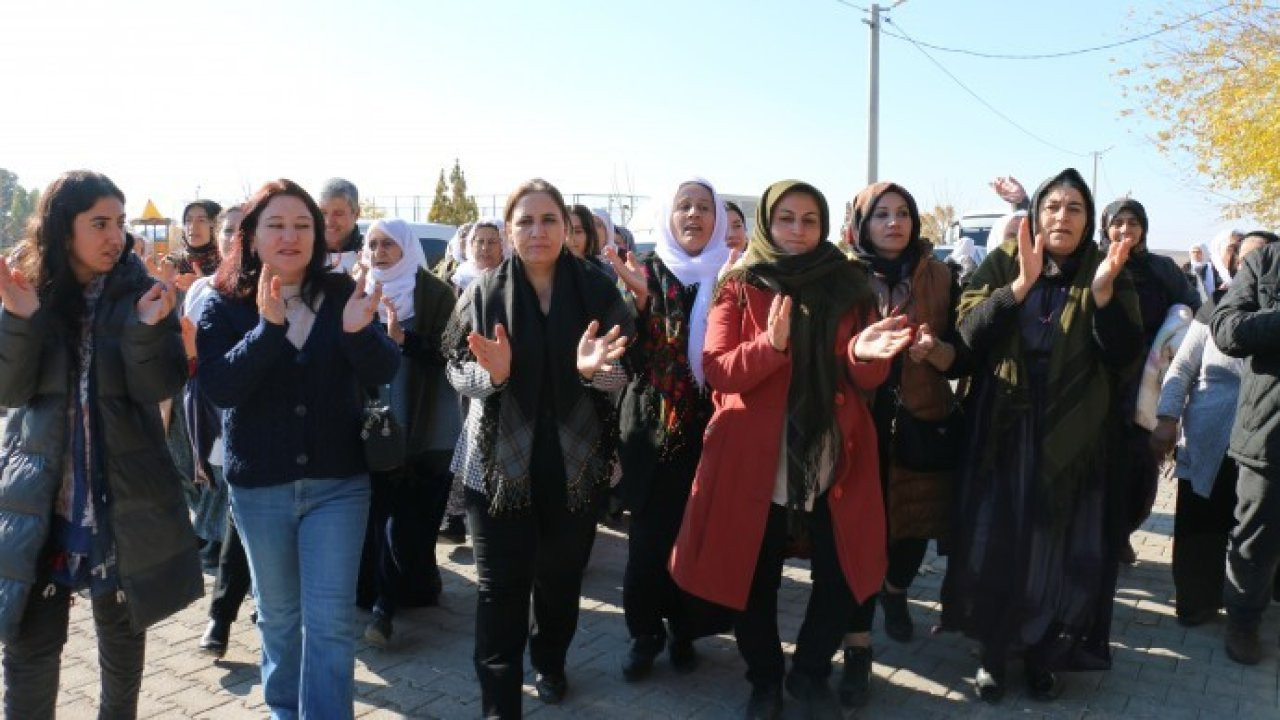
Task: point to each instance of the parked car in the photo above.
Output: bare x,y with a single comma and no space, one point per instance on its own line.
433,236
973,225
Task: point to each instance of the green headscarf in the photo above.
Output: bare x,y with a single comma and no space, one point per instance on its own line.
823,286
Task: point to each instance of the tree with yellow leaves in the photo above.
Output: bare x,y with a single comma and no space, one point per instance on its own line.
1214,88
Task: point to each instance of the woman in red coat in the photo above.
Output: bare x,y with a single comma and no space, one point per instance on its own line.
784,460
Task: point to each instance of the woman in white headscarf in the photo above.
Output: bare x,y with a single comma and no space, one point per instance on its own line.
664,413
485,249
964,256
399,566
1222,252
455,252
1200,271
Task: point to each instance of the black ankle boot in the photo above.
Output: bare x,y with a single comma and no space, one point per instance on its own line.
765,703
989,684
855,684
1042,684
897,616
814,696
214,641
639,659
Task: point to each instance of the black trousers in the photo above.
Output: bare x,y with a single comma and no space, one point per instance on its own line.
905,557
649,595
1253,553
234,581
826,617
398,566
32,660
1201,528
544,550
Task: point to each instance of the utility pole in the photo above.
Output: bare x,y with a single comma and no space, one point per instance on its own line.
873,91
873,97
1097,154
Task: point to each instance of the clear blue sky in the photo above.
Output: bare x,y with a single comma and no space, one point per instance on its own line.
167,97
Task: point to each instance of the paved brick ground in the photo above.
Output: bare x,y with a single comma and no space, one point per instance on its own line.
1161,669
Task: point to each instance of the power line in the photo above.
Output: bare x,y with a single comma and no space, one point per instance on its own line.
988,105
1043,56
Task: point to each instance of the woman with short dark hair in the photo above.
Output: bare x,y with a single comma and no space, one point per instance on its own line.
526,348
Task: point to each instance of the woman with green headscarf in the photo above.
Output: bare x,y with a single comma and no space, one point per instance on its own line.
783,460
1052,322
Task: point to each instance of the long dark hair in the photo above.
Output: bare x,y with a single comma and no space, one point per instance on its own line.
44,255
588,220
237,276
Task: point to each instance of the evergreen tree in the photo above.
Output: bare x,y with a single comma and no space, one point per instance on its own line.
441,210
16,206
463,206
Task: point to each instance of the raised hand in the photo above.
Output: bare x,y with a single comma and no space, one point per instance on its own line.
882,340
596,353
185,280
17,295
1030,260
1104,279
156,303
779,328
270,297
925,342
188,335
394,331
492,355
360,308
1009,189
631,275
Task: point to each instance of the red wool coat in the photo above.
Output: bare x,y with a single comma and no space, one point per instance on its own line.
715,553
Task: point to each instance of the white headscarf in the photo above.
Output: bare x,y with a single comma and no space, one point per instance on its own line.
964,249
1205,275
1220,243
702,268
1001,227
610,239
468,271
457,246
398,280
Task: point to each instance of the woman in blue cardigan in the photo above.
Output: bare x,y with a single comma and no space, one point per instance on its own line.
285,348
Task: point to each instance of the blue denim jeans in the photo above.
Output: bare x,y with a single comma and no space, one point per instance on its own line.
303,541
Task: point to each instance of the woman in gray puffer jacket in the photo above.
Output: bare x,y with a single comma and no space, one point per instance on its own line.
90,500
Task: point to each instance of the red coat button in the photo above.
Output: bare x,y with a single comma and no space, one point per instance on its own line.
839,398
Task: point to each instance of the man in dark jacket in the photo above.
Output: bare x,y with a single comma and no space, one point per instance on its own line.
1246,324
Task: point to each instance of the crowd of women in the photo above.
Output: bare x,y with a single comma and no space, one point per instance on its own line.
749,392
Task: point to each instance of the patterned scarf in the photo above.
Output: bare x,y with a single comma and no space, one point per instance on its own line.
681,400
85,555
586,421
